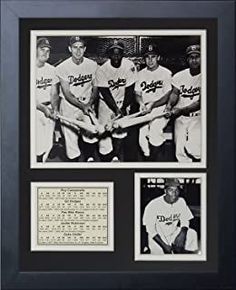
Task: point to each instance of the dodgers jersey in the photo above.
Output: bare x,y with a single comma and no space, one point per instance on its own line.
153,85
162,218
189,87
45,78
80,77
116,79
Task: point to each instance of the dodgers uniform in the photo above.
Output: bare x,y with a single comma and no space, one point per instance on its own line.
45,78
152,86
81,80
187,128
116,79
162,218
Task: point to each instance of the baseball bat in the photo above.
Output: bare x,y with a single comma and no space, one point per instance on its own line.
126,123
82,125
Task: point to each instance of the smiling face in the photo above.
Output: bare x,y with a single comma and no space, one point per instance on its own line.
194,61
43,54
77,50
172,194
151,61
116,56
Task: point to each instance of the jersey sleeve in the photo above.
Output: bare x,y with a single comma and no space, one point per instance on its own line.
61,73
176,81
100,78
94,83
138,82
149,219
131,74
55,78
186,214
167,83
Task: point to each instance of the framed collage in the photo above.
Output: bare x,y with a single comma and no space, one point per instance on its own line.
118,144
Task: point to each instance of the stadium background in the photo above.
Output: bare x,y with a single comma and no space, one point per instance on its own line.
172,56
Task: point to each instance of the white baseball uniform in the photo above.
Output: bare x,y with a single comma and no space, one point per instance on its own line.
81,81
116,79
152,86
45,78
162,218
187,128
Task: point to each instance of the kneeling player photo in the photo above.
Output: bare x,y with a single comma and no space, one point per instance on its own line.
170,217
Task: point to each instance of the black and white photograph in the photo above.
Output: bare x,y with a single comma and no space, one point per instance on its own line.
118,99
170,217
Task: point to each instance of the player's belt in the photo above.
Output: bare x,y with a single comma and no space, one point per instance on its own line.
191,114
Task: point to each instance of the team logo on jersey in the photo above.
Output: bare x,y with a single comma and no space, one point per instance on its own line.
168,220
190,92
80,80
43,83
152,86
116,84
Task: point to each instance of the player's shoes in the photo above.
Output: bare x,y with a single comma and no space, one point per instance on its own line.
115,159
90,159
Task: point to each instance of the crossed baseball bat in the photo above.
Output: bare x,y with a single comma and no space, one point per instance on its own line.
123,122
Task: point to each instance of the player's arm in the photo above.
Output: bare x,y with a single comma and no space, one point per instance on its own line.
139,100
44,109
152,226
166,248
172,101
128,98
180,240
109,100
69,96
54,97
173,98
191,108
94,96
162,101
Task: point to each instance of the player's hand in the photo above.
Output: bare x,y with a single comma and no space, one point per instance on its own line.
149,107
143,108
123,111
87,109
55,115
176,112
48,112
167,112
100,129
180,239
109,126
118,113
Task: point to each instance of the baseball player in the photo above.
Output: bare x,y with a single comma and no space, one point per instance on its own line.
184,105
76,75
153,88
167,222
46,88
115,80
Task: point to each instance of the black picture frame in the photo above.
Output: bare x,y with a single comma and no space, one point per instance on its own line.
221,274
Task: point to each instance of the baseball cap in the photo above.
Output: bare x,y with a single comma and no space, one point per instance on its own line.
43,42
116,44
151,49
172,182
193,49
74,39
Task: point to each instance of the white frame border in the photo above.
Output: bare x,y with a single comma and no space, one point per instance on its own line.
162,32
169,257
80,248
